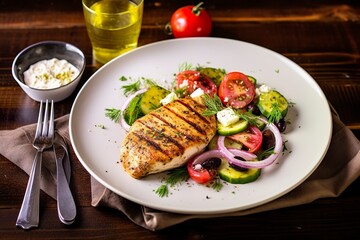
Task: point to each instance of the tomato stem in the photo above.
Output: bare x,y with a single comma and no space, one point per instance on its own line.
197,9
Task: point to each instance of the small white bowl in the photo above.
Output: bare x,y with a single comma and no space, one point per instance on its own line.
45,51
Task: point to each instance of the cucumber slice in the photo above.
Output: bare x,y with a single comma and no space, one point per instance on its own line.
232,175
273,105
229,143
237,127
257,122
215,74
260,124
151,99
252,79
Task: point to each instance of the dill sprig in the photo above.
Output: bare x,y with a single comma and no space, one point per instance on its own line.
185,66
113,114
140,83
181,92
162,191
266,153
217,184
176,176
149,82
275,114
131,88
123,78
249,117
213,105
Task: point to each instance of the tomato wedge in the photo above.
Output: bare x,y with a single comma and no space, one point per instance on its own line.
192,80
236,90
202,175
250,138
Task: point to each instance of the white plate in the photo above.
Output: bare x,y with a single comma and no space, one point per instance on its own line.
308,136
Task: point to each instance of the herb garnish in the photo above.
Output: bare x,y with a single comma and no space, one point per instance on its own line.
216,184
213,105
123,78
140,83
264,154
131,88
185,66
176,176
249,117
275,114
133,111
113,114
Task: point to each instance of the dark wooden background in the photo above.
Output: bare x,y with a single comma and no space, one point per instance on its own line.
321,36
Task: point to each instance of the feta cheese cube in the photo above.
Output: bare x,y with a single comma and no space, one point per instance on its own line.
184,84
197,93
169,98
227,117
262,89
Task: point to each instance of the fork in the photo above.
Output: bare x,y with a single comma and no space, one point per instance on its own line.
44,136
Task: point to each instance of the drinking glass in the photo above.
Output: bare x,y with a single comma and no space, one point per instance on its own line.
113,26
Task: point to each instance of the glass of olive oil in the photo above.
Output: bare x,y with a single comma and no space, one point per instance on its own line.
113,26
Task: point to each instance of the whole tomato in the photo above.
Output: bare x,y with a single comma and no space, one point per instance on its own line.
191,21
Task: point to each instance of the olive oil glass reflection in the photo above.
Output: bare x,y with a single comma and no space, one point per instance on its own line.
113,26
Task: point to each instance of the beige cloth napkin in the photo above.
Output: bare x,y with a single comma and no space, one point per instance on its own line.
339,168
16,145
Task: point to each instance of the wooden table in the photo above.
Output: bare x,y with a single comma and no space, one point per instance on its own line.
321,36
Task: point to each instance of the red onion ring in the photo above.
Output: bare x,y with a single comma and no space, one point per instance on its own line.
228,154
231,153
125,105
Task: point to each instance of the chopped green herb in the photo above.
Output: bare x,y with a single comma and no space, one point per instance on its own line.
176,176
149,82
181,91
213,105
284,146
266,153
249,117
162,191
185,66
131,88
275,114
133,111
217,185
123,78
102,126
113,114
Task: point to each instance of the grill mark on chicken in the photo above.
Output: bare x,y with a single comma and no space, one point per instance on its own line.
162,134
195,111
145,150
151,143
194,125
173,126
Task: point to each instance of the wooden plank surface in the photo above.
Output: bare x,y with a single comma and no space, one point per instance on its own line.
323,37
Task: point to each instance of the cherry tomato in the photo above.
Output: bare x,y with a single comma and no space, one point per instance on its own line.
236,90
250,138
193,80
190,21
202,175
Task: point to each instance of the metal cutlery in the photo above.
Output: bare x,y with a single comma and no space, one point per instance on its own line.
44,137
65,201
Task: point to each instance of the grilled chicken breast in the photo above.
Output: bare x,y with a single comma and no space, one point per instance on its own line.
166,138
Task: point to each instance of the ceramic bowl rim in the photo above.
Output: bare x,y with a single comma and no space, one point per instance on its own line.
21,53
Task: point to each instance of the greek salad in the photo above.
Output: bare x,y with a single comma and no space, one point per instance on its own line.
250,119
